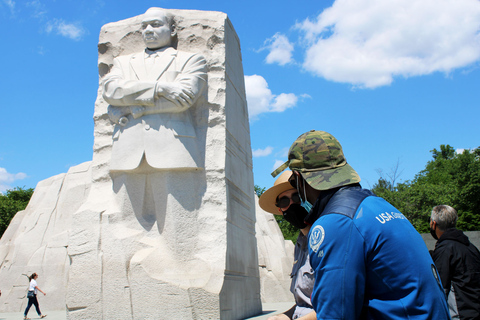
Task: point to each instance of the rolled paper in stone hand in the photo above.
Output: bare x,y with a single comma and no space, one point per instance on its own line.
123,121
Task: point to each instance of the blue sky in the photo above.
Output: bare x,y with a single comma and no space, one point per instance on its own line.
390,79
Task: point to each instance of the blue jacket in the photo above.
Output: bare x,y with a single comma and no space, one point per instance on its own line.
370,263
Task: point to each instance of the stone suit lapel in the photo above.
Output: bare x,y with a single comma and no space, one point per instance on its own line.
162,63
137,62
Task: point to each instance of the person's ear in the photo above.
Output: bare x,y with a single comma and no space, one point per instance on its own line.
173,31
300,179
298,176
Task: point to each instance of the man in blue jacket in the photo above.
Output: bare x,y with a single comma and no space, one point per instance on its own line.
369,261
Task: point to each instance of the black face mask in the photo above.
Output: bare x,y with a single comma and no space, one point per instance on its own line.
295,215
434,235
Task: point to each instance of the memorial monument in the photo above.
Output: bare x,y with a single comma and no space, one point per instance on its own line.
161,223
275,258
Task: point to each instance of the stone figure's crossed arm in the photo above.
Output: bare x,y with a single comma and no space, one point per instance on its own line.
184,91
139,97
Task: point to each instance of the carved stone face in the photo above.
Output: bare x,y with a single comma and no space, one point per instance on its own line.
156,29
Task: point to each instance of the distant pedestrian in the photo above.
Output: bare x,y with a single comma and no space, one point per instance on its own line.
458,264
32,296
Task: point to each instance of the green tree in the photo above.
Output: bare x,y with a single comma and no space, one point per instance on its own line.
258,190
11,202
450,178
446,152
289,232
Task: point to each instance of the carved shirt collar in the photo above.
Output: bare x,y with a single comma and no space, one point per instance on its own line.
155,52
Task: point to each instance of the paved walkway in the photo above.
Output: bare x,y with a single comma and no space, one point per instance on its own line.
269,309
54,315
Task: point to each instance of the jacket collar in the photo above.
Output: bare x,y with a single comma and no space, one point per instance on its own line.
455,235
165,59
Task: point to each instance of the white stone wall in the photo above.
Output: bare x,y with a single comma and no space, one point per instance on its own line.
37,240
275,258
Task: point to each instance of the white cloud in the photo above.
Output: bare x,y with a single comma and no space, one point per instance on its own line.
68,30
284,152
280,50
462,150
7,178
38,8
284,101
369,42
305,96
277,164
262,152
10,4
260,98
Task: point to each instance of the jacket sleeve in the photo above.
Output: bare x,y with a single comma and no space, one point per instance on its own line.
122,92
192,77
442,257
339,266
189,74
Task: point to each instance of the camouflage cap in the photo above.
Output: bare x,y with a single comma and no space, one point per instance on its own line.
318,156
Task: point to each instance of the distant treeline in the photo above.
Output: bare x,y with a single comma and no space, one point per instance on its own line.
11,202
450,178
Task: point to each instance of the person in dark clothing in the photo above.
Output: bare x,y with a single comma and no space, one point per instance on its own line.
458,264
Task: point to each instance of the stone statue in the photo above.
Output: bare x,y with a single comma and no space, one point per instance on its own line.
150,93
154,141
161,223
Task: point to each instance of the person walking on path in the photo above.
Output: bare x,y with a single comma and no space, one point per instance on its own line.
32,296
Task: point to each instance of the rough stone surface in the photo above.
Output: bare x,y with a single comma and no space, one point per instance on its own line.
37,240
275,258
99,261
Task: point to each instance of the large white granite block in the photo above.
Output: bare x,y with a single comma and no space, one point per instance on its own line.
180,246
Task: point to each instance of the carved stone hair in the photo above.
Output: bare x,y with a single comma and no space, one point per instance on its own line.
171,21
168,15
445,217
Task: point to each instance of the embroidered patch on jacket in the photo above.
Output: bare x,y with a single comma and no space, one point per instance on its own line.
316,237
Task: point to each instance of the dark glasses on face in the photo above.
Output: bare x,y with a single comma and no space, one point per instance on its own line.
284,202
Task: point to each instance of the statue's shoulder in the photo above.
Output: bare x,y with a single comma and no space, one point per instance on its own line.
190,56
187,53
130,56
